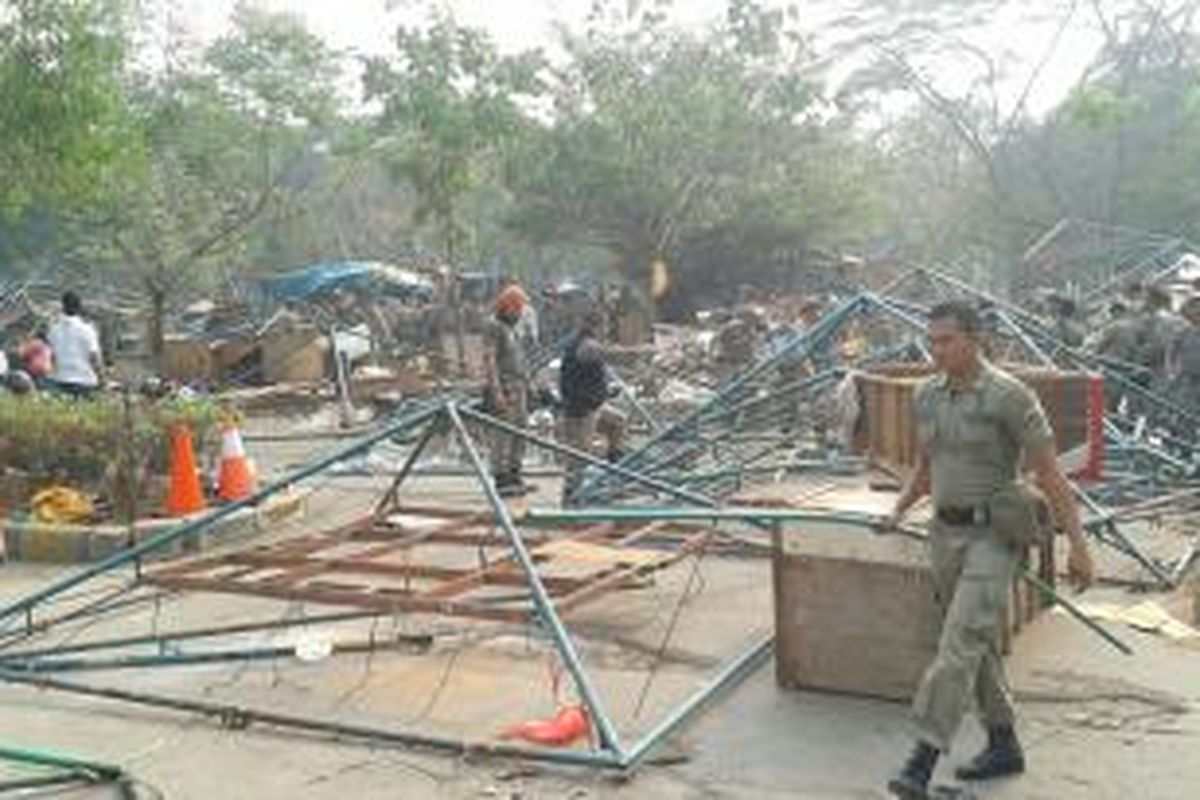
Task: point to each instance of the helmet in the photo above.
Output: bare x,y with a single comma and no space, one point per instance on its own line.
511,301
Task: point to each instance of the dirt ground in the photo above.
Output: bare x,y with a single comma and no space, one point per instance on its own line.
1096,724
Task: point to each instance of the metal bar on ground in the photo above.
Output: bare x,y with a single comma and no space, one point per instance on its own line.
162,639
732,675
239,716
558,447
609,739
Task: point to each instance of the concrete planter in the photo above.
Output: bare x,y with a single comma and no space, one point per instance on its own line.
28,540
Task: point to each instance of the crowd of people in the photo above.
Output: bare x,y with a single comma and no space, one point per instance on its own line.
1144,336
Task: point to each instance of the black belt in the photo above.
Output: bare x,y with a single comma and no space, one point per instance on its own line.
963,515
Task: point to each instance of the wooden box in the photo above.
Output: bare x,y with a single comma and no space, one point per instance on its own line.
295,356
185,359
853,612
1074,404
856,613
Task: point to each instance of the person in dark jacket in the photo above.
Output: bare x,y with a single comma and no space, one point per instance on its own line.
584,391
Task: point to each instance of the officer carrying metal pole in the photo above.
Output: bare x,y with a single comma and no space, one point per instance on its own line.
975,423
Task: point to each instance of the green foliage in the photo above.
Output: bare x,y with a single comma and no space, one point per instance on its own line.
64,124
664,136
1096,107
79,443
451,104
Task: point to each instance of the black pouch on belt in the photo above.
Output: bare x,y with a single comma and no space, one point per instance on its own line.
1020,515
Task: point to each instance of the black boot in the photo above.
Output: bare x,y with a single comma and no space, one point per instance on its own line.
913,781
1001,757
504,483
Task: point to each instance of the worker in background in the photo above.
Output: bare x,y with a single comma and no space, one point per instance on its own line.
37,359
1158,325
737,342
974,425
507,388
527,325
583,384
1066,325
78,366
1183,364
1118,339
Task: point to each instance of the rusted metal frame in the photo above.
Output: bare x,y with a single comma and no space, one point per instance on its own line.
390,603
500,574
304,562
592,533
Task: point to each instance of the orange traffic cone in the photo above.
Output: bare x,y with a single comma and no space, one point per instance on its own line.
236,477
184,495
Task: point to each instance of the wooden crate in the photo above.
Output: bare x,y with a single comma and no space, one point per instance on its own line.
185,359
299,355
1074,404
856,613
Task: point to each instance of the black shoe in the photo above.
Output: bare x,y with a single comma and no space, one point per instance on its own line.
913,781
1002,757
906,788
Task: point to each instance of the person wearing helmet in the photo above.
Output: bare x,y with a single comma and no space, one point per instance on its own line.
507,387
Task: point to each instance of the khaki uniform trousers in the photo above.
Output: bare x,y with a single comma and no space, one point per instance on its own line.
508,451
580,432
972,573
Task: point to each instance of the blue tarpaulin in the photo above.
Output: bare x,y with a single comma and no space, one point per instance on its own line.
319,279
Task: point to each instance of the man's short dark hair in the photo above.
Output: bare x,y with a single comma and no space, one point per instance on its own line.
962,314
72,306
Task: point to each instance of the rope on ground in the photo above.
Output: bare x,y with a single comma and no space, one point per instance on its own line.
684,597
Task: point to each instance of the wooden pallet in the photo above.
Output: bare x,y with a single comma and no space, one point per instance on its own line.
432,560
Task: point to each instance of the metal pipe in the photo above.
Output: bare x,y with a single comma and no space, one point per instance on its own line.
45,758
1023,337
1050,594
548,516
801,345
162,639
146,660
240,716
733,674
26,604
609,739
393,493
1106,520
616,469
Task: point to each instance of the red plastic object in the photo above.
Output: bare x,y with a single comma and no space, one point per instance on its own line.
568,726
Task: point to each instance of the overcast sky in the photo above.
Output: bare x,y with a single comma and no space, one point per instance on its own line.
366,26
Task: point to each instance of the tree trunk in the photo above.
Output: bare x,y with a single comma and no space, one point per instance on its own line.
157,327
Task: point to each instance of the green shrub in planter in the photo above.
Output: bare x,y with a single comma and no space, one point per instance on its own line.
90,445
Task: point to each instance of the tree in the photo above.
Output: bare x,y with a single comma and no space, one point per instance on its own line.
451,105
63,122
226,143
662,138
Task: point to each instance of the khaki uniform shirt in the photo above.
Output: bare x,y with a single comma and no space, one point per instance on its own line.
509,353
975,436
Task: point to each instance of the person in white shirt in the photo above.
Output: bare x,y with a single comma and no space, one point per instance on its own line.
78,367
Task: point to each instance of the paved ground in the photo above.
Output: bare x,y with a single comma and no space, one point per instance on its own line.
1097,725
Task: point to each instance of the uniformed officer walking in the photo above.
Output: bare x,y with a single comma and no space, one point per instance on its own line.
974,424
